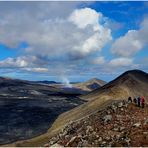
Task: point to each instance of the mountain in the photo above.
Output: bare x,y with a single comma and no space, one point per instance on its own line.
90,84
131,83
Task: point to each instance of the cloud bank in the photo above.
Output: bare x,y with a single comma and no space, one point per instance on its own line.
67,38
132,42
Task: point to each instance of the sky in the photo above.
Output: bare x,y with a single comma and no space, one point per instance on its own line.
72,41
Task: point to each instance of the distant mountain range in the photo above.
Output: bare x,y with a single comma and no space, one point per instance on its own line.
23,88
47,82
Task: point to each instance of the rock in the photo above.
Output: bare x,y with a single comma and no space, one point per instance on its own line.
100,139
121,128
96,142
104,142
138,124
145,133
53,140
128,141
85,137
79,135
108,112
80,144
107,138
126,105
120,104
67,136
115,125
89,129
107,118
46,145
114,108
64,131
118,136
83,143
116,129
146,122
122,109
94,133
72,140
56,145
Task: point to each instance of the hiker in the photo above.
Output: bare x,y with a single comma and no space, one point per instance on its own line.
138,101
135,100
130,100
142,101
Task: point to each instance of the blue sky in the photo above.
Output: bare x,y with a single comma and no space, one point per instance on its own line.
73,40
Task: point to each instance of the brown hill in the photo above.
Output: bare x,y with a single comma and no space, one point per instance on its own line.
90,85
131,83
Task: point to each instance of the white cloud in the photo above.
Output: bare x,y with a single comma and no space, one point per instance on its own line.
25,63
121,62
88,18
73,35
85,17
132,42
38,69
127,45
11,62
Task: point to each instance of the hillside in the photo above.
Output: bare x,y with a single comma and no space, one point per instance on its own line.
118,125
131,83
90,85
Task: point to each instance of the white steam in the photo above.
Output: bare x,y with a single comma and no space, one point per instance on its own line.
66,82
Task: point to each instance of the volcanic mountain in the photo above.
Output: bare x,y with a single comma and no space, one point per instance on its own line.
131,83
90,85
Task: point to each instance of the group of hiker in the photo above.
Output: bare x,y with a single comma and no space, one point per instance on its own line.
139,101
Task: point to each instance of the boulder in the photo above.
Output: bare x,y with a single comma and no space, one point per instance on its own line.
100,139
122,128
73,140
89,129
56,145
138,124
107,118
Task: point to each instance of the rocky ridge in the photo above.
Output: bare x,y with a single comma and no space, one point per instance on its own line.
118,124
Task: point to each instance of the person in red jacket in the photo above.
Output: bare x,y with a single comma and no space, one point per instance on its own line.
142,101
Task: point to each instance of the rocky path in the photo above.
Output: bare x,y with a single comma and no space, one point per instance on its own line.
119,124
